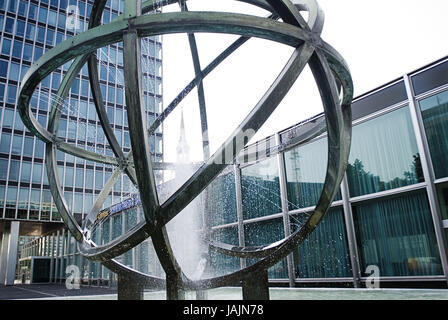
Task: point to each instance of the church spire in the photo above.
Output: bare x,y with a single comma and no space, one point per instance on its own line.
183,150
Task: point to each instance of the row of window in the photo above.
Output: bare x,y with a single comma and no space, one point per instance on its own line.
113,93
383,156
396,234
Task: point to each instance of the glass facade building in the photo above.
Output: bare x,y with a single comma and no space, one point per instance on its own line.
391,211
28,29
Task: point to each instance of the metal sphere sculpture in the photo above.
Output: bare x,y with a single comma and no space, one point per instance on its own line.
328,67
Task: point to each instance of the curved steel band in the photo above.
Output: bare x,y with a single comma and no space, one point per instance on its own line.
328,67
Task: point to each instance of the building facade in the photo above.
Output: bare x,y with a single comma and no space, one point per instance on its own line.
389,219
390,215
28,30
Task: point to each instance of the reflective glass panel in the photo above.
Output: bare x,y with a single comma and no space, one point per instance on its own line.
435,119
265,233
324,253
397,235
261,189
305,173
384,154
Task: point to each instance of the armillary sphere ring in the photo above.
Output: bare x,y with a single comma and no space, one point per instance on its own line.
329,69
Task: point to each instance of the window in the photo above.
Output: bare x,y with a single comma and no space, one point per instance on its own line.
71,129
14,168
23,200
111,94
52,17
6,47
38,51
222,200
12,94
50,37
98,180
324,253
265,233
39,149
23,6
305,173
397,235
17,49
18,124
25,175
24,71
30,30
3,68
75,87
8,118
55,81
59,37
14,71
78,203
16,145
434,113
261,189
3,169
61,20
27,52
28,146
40,34
2,91
85,88
20,28
37,173
42,120
9,25
224,264
89,179
42,15
430,79
11,198
12,6
384,154
69,177
79,178
5,142
32,14
62,128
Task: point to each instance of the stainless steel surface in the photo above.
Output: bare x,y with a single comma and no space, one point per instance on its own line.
331,75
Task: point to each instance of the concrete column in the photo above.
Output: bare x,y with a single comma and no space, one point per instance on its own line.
4,256
51,254
12,253
57,253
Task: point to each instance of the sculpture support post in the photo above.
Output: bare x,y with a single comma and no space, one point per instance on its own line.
256,287
129,289
174,290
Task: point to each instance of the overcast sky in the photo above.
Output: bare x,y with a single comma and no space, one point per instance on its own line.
381,40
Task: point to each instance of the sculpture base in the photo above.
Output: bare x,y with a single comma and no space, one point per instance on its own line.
256,287
129,289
